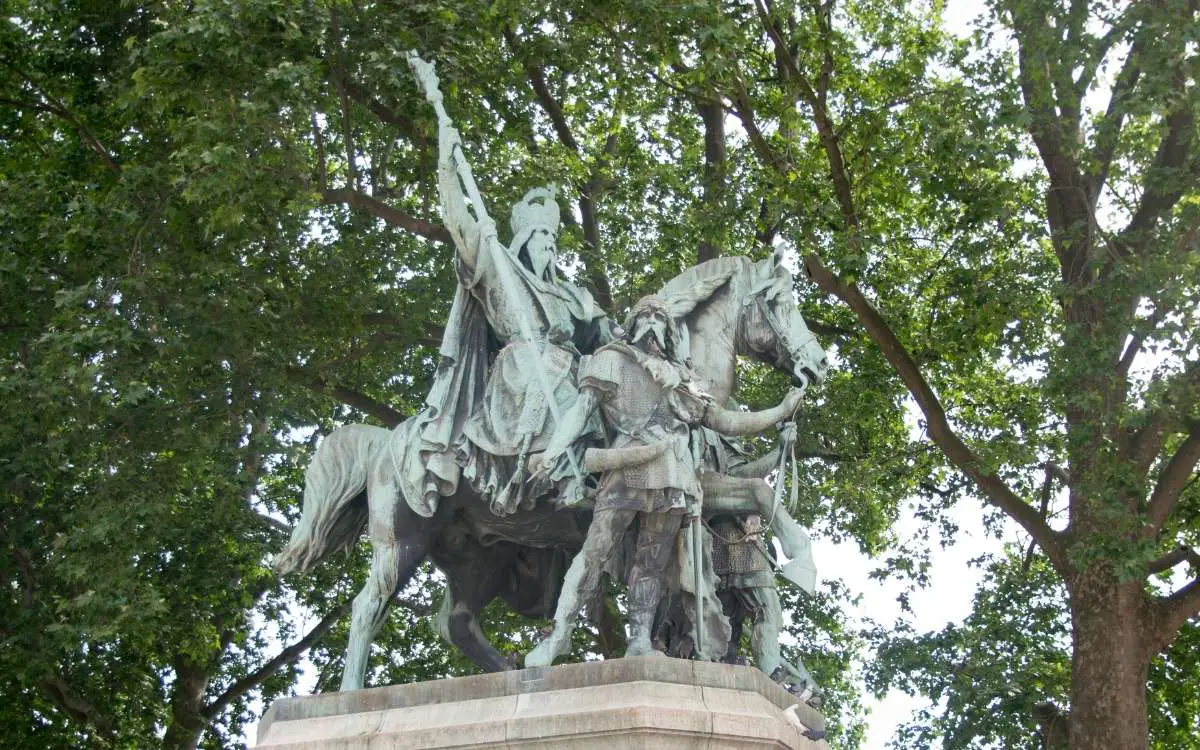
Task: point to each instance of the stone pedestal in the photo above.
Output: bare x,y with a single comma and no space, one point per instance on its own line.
640,702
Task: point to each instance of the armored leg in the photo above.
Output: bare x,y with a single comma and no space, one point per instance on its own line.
581,582
655,544
764,642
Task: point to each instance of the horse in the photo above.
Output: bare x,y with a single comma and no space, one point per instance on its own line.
729,306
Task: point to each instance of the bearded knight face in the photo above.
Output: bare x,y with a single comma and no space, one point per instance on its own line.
650,331
539,252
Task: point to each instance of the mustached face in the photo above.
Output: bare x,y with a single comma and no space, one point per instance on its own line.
539,249
650,331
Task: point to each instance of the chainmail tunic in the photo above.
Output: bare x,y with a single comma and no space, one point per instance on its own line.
740,564
637,410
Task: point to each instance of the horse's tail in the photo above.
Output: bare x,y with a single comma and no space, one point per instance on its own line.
335,497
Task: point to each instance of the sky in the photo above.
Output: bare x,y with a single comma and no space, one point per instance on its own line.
952,586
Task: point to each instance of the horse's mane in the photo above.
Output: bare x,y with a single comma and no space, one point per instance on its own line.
697,284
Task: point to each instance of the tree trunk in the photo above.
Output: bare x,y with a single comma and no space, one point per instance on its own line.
1109,664
187,699
712,222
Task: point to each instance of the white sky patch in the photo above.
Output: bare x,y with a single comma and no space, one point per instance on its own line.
953,582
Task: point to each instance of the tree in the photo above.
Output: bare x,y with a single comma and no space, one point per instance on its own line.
1015,328
1002,677
227,242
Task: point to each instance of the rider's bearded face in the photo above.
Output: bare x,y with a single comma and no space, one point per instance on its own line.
650,332
540,249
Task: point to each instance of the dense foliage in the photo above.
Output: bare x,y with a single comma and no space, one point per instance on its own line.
221,240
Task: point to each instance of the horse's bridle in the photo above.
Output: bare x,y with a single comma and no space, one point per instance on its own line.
787,354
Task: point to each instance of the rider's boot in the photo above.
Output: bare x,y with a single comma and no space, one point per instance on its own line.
429,499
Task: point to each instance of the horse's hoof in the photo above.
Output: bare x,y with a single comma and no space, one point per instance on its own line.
642,650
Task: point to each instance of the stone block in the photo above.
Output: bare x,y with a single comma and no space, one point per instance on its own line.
642,702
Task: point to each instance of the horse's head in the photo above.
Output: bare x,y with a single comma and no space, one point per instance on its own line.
771,329
732,306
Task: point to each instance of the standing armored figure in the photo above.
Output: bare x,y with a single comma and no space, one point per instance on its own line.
647,400
747,589
485,426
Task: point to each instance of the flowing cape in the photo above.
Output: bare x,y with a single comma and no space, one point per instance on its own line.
468,346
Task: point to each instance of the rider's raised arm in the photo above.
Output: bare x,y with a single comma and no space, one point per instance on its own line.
729,422
469,225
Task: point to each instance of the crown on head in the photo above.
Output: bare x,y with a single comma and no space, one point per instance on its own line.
537,210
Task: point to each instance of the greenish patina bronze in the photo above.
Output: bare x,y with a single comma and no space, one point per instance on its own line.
499,464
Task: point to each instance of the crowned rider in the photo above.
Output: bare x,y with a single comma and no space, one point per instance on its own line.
487,425
646,398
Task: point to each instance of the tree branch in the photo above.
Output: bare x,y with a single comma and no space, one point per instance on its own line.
283,658
25,564
1172,155
593,262
743,109
389,215
75,705
1173,611
537,79
596,272
712,116
385,113
1137,338
1173,558
828,329
1171,481
1043,508
1165,418
1068,207
364,403
1109,129
940,431
815,99
58,109
339,82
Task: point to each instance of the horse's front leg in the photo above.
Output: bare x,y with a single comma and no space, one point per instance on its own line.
399,540
475,573
737,495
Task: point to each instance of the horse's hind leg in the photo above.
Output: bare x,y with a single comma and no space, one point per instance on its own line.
470,586
370,610
399,541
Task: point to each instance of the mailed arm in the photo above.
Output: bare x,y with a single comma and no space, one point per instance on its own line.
728,422
763,465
